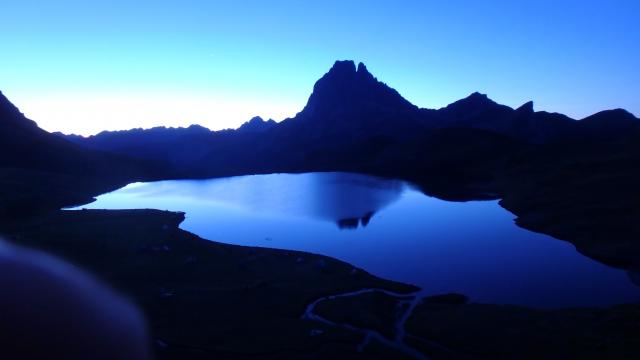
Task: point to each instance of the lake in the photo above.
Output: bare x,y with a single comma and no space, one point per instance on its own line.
391,230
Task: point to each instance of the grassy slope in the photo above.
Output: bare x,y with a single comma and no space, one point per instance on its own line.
204,299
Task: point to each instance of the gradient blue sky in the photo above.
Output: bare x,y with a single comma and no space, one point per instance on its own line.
84,66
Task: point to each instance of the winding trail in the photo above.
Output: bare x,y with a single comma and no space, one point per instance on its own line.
397,343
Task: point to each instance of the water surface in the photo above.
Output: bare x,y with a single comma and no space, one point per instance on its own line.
391,230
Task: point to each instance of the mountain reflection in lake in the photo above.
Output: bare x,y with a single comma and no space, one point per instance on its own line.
391,230
337,197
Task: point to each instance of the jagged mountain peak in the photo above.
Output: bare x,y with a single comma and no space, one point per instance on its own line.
256,124
342,67
347,88
362,72
478,98
526,108
346,70
256,119
471,104
11,115
7,107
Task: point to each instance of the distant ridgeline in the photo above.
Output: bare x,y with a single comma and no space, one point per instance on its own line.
354,122
40,171
471,149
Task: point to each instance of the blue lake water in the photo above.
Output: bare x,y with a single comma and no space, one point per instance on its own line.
391,230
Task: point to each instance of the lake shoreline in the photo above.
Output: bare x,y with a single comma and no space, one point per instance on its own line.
145,254
391,229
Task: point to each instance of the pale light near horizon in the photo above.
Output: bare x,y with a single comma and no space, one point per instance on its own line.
88,115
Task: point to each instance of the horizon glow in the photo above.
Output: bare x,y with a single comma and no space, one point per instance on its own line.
82,67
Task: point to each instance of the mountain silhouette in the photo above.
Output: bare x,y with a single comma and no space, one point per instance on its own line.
552,171
576,180
349,104
10,116
25,145
609,123
346,89
257,124
354,122
351,122
350,101
39,170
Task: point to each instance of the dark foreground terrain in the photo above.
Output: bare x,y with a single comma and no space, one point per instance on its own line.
204,299
207,300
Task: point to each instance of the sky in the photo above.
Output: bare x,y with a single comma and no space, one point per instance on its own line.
86,66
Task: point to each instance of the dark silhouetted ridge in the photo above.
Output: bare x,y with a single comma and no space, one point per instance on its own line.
354,122
471,105
11,119
346,89
609,123
526,108
7,109
257,124
349,102
41,171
